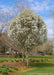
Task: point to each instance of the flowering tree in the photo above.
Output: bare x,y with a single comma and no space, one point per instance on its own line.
27,30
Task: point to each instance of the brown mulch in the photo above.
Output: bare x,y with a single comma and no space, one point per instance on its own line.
14,64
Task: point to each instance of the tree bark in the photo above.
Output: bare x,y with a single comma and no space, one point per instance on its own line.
27,61
22,57
27,58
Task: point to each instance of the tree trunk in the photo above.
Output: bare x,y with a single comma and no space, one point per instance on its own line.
23,53
27,62
27,56
22,57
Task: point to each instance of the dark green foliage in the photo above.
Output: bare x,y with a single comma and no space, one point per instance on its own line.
0,70
46,59
10,70
42,60
21,60
30,60
37,61
11,60
3,66
33,60
16,60
20,55
50,53
6,60
15,68
4,71
42,54
1,60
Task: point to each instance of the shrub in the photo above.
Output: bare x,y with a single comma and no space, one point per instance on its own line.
37,61
50,53
46,59
16,60
10,70
1,60
30,60
15,68
6,60
7,68
12,61
33,60
3,66
42,60
0,70
42,54
20,55
4,71
21,60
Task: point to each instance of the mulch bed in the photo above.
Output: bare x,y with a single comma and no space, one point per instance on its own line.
14,64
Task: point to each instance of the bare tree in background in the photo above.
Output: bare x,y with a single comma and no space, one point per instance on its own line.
7,16
52,15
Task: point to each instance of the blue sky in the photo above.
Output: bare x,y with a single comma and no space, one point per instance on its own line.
40,7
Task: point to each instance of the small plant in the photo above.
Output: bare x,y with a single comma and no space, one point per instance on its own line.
42,60
10,70
30,60
16,60
3,66
21,60
37,61
0,70
12,61
15,68
4,71
7,68
33,60
1,60
46,59
50,53
6,60
42,54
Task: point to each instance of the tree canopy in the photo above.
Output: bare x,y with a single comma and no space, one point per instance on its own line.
28,29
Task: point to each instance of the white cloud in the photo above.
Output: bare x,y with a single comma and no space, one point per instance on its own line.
49,23
5,8
30,0
50,31
41,6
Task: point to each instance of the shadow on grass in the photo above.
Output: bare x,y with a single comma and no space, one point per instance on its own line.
41,64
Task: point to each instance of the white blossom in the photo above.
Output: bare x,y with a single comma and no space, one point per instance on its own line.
28,29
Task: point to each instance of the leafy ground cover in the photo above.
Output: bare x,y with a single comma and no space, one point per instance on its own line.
38,65
5,69
41,68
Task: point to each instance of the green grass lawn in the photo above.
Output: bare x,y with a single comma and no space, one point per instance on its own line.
41,56
46,67
43,68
